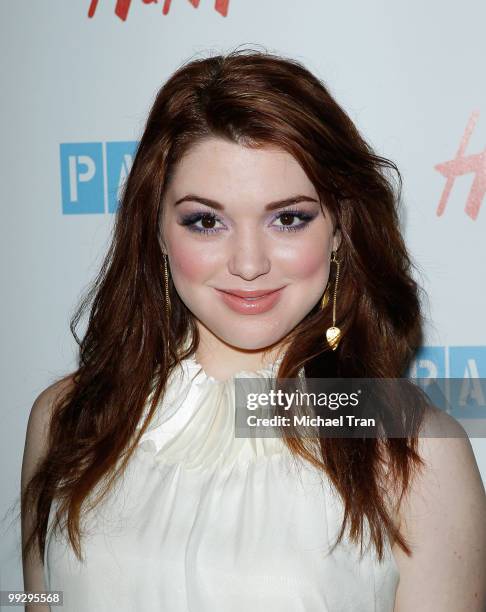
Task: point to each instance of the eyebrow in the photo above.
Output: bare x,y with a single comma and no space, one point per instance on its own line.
270,206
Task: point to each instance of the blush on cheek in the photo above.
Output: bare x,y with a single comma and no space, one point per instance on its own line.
189,266
309,265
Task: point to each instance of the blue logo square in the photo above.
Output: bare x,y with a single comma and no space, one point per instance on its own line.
82,182
119,159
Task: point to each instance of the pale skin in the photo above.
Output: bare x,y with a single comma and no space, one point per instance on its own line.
444,518
444,514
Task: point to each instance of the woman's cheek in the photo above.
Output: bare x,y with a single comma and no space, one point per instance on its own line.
189,265
312,266
307,263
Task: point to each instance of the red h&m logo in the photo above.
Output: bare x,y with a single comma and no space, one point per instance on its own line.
123,6
465,164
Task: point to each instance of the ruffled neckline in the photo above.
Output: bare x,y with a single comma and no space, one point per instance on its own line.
194,425
268,370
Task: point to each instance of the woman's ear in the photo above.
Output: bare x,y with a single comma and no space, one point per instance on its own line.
336,240
162,243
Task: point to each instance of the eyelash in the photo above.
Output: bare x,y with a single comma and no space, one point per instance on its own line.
190,220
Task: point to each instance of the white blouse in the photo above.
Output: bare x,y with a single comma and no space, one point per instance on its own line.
202,521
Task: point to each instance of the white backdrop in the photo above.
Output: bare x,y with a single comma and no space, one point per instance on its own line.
410,74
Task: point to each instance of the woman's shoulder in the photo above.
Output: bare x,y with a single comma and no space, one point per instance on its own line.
443,519
36,437
36,447
44,402
449,468
439,441
440,437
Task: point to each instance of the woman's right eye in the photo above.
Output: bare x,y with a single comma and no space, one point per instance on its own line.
207,218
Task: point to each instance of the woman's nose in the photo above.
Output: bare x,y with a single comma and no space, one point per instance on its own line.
249,257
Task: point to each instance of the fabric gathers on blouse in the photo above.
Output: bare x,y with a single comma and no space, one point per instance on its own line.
203,521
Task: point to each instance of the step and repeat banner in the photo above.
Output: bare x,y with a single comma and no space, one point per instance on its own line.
78,79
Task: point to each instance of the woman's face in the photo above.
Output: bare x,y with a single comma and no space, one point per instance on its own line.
233,242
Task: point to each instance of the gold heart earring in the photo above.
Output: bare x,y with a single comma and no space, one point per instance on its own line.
333,333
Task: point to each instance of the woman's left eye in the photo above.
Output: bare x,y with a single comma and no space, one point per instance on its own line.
286,217
288,214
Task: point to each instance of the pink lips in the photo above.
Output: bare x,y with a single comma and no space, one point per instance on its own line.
262,300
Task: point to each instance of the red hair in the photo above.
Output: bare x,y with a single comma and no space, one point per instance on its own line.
128,350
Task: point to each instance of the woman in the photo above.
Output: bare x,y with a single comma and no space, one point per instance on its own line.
248,178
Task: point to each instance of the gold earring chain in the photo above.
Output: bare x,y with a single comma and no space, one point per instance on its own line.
166,275
333,333
167,299
335,260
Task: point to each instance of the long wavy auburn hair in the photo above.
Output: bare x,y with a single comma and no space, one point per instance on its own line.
130,346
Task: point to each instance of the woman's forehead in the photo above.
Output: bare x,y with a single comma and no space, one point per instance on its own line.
224,169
